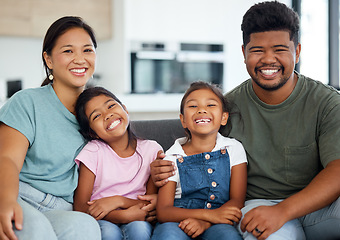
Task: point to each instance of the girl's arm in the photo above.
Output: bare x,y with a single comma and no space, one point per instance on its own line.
82,194
13,149
101,207
166,212
230,211
238,186
136,210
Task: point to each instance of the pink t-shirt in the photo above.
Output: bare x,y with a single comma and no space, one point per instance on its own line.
115,175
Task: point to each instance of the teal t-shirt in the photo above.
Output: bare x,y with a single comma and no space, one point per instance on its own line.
287,144
54,140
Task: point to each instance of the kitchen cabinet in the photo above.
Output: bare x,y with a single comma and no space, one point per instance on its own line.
31,18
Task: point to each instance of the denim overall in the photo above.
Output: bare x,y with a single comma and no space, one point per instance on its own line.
205,180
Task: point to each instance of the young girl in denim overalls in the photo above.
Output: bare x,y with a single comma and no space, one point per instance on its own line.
204,197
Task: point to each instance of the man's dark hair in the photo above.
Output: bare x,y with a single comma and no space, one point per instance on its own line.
270,16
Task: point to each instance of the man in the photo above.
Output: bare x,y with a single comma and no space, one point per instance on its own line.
290,127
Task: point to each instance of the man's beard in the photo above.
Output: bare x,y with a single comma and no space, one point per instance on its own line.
271,87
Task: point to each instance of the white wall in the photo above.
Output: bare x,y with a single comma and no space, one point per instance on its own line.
162,20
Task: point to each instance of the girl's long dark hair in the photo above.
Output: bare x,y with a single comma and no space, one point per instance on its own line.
58,28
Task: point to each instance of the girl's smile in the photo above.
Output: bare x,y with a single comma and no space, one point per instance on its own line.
203,114
107,118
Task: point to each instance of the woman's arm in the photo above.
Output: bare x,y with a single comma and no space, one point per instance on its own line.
13,149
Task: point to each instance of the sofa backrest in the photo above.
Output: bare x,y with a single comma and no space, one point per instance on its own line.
165,132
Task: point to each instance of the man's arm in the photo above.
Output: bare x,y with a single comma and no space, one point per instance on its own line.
322,191
161,170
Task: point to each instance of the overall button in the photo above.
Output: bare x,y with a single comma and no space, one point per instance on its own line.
212,197
210,170
208,205
207,156
214,184
180,160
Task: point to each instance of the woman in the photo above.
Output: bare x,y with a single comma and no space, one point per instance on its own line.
39,139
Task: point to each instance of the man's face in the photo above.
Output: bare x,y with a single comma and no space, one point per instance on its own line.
270,58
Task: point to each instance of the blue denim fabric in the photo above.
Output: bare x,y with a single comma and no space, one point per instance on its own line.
322,224
205,180
50,217
137,230
171,231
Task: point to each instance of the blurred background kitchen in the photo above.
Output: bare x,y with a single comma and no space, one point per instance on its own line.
150,50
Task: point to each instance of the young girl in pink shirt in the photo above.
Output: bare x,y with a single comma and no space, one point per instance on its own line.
114,169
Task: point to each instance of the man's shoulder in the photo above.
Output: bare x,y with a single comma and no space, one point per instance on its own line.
318,90
237,91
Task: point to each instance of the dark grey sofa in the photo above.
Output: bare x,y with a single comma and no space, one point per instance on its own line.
165,132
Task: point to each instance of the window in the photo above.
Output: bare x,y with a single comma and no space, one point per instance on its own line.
319,39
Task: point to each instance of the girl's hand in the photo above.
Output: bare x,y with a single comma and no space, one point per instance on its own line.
151,207
225,214
10,212
101,207
135,213
194,227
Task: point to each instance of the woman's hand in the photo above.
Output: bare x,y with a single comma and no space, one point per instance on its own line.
10,212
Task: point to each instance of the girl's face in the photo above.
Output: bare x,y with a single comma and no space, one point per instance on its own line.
203,114
73,58
107,118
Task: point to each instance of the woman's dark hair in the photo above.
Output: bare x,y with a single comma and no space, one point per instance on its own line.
204,85
58,28
270,16
83,121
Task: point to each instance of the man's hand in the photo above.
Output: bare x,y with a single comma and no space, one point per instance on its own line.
161,170
263,221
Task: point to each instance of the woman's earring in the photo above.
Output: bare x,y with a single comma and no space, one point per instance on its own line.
50,76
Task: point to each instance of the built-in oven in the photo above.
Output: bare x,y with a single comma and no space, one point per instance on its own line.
171,67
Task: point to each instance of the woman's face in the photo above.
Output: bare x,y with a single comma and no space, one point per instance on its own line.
72,59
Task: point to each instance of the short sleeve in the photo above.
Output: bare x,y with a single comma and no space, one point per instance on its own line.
174,178
19,113
89,157
237,153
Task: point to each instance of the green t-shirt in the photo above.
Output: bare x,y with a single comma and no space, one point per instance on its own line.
287,144
54,140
